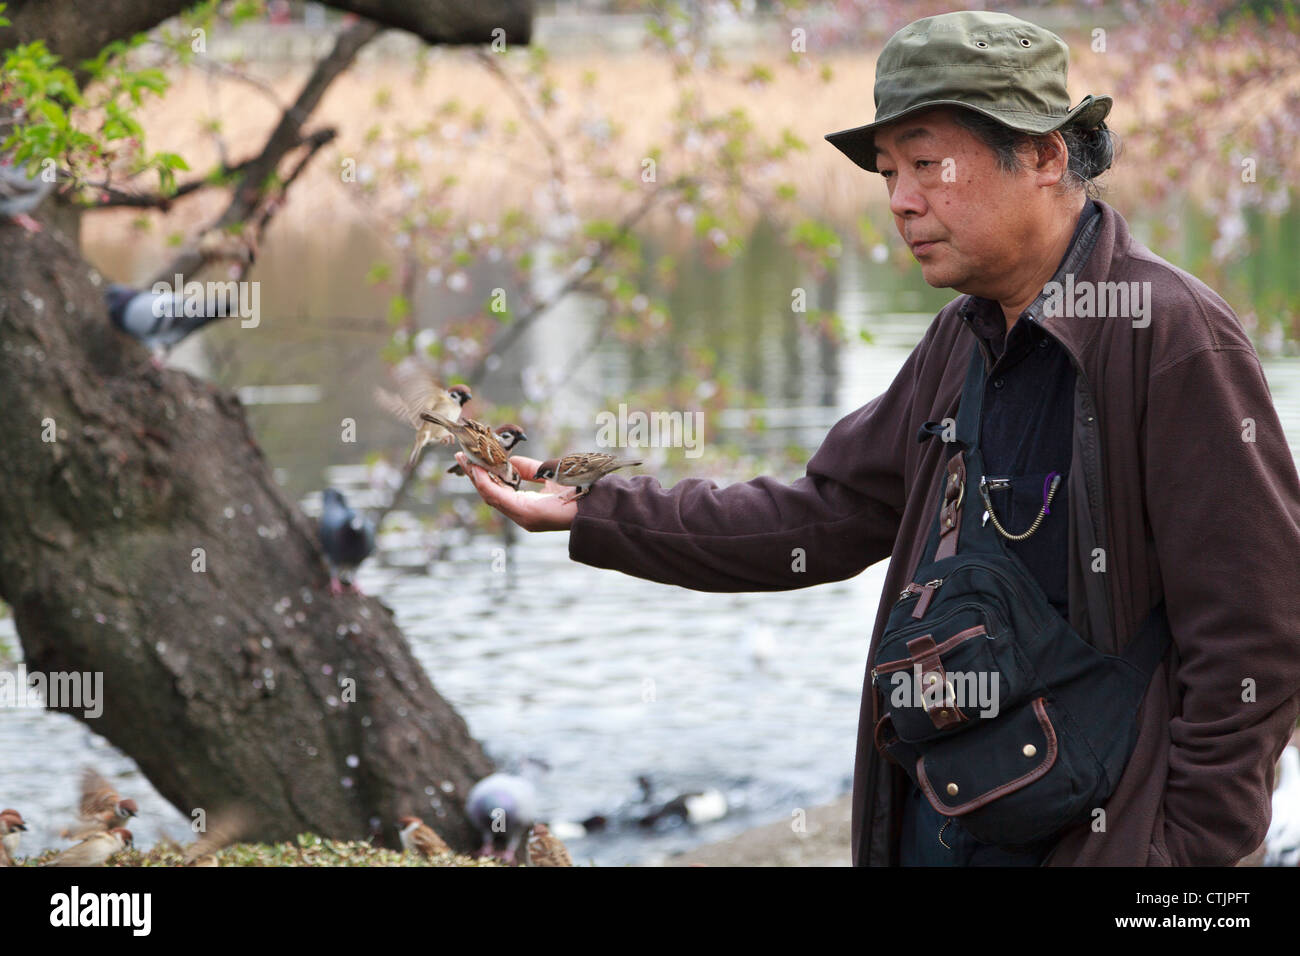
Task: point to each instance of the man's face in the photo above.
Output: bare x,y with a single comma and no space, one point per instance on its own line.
963,217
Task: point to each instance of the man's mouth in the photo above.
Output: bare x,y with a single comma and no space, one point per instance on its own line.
921,246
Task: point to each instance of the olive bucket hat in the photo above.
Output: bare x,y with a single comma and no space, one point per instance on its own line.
1006,68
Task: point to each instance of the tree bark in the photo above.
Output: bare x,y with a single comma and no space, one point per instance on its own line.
243,682
78,30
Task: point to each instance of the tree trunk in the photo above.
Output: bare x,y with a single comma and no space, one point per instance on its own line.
230,675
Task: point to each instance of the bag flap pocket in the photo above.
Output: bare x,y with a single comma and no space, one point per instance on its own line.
964,773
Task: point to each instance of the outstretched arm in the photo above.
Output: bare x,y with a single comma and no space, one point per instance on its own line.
758,535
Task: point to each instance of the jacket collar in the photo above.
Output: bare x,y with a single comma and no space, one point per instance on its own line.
1095,233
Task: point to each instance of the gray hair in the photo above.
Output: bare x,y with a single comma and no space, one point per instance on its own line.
1091,151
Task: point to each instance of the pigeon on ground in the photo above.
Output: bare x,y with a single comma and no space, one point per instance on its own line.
21,193
346,537
160,320
1282,842
503,807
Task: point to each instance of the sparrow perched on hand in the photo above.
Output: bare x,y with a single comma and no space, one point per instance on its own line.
580,470
508,436
484,447
346,538
545,848
95,849
502,806
421,393
419,837
11,828
101,807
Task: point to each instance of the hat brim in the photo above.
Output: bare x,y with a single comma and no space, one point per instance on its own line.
859,145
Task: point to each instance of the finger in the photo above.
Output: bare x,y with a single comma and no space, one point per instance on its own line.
527,467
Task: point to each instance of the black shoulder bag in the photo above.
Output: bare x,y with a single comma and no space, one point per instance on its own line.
995,707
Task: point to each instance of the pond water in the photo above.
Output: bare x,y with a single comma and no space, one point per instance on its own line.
600,677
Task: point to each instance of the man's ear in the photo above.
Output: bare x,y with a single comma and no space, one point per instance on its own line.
1051,158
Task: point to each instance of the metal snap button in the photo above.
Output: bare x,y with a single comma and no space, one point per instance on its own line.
952,790
1024,42
1029,750
998,383
981,44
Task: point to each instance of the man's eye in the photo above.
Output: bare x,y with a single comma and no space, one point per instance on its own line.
886,173
924,162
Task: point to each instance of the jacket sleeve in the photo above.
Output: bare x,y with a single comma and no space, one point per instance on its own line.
763,535
1224,504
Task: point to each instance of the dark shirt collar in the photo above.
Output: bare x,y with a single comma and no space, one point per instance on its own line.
985,317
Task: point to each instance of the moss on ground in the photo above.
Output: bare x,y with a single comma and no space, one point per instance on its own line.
307,850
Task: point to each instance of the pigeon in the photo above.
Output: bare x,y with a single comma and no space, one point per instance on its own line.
160,320
545,849
502,806
420,393
21,193
346,537
1282,841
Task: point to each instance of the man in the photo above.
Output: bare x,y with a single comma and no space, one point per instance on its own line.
1147,397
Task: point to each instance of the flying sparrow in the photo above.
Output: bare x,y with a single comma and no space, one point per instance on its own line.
485,447
580,470
421,393
223,829
508,436
419,837
95,849
545,849
101,807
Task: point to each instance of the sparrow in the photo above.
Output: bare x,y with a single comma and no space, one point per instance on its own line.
101,807
159,320
419,837
95,849
11,827
580,470
508,436
421,393
484,447
20,194
223,830
346,538
502,806
545,849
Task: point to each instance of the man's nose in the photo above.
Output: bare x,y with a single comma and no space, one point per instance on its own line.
906,200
